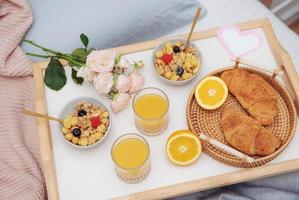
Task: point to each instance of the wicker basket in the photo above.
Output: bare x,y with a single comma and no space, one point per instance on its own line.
208,122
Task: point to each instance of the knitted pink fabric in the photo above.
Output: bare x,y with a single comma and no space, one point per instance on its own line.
20,174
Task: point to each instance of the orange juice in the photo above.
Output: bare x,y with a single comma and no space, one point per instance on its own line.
130,153
150,106
151,117
131,156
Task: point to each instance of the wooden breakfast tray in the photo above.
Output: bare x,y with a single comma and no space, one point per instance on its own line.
149,189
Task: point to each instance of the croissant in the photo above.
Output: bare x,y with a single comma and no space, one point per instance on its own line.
246,134
254,94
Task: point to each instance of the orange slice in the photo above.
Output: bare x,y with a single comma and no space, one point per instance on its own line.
183,147
211,92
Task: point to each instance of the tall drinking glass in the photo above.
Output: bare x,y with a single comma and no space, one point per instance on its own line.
151,106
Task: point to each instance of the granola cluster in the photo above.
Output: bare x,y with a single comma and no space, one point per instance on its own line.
86,125
175,62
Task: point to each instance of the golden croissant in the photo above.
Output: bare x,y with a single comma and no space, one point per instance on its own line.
246,134
254,94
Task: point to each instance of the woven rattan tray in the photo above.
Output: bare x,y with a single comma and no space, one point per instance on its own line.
208,122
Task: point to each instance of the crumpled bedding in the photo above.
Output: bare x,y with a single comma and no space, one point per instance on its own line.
20,173
277,187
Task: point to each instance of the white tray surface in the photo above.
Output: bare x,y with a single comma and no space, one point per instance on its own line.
89,174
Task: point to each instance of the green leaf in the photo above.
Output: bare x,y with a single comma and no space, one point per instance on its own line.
55,77
84,39
115,77
117,59
76,79
80,54
112,93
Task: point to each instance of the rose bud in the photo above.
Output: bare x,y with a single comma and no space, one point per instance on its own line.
124,63
137,82
123,83
120,101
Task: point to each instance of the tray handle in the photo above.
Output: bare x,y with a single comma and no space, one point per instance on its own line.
274,73
285,70
226,148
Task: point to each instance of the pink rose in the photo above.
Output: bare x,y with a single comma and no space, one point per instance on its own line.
86,73
101,61
103,82
137,82
123,83
124,63
120,101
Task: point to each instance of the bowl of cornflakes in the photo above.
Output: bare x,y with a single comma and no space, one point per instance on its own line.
86,122
176,64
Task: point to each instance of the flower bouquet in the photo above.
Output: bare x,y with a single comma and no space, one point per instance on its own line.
110,72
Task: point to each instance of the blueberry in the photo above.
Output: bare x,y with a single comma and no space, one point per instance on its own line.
76,132
81,113
179,71
176,49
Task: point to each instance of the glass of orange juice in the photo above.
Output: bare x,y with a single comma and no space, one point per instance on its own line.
150,106
130,154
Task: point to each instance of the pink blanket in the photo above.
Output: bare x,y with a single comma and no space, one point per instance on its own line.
20,173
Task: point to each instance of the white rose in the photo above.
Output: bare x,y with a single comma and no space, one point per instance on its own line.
101,61
86,73
103,82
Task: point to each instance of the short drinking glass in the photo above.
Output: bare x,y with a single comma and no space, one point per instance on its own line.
131,156
150,106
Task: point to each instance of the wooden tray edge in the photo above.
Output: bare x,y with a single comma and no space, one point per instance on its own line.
217,181
284,61
44,134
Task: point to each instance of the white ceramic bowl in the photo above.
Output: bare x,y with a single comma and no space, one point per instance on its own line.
171,82
69,107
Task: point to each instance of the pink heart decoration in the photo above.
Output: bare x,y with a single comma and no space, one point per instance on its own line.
238,43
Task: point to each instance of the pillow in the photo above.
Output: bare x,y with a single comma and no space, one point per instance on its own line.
108,23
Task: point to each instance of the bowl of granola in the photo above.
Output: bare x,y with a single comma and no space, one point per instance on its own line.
174,63
86,122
